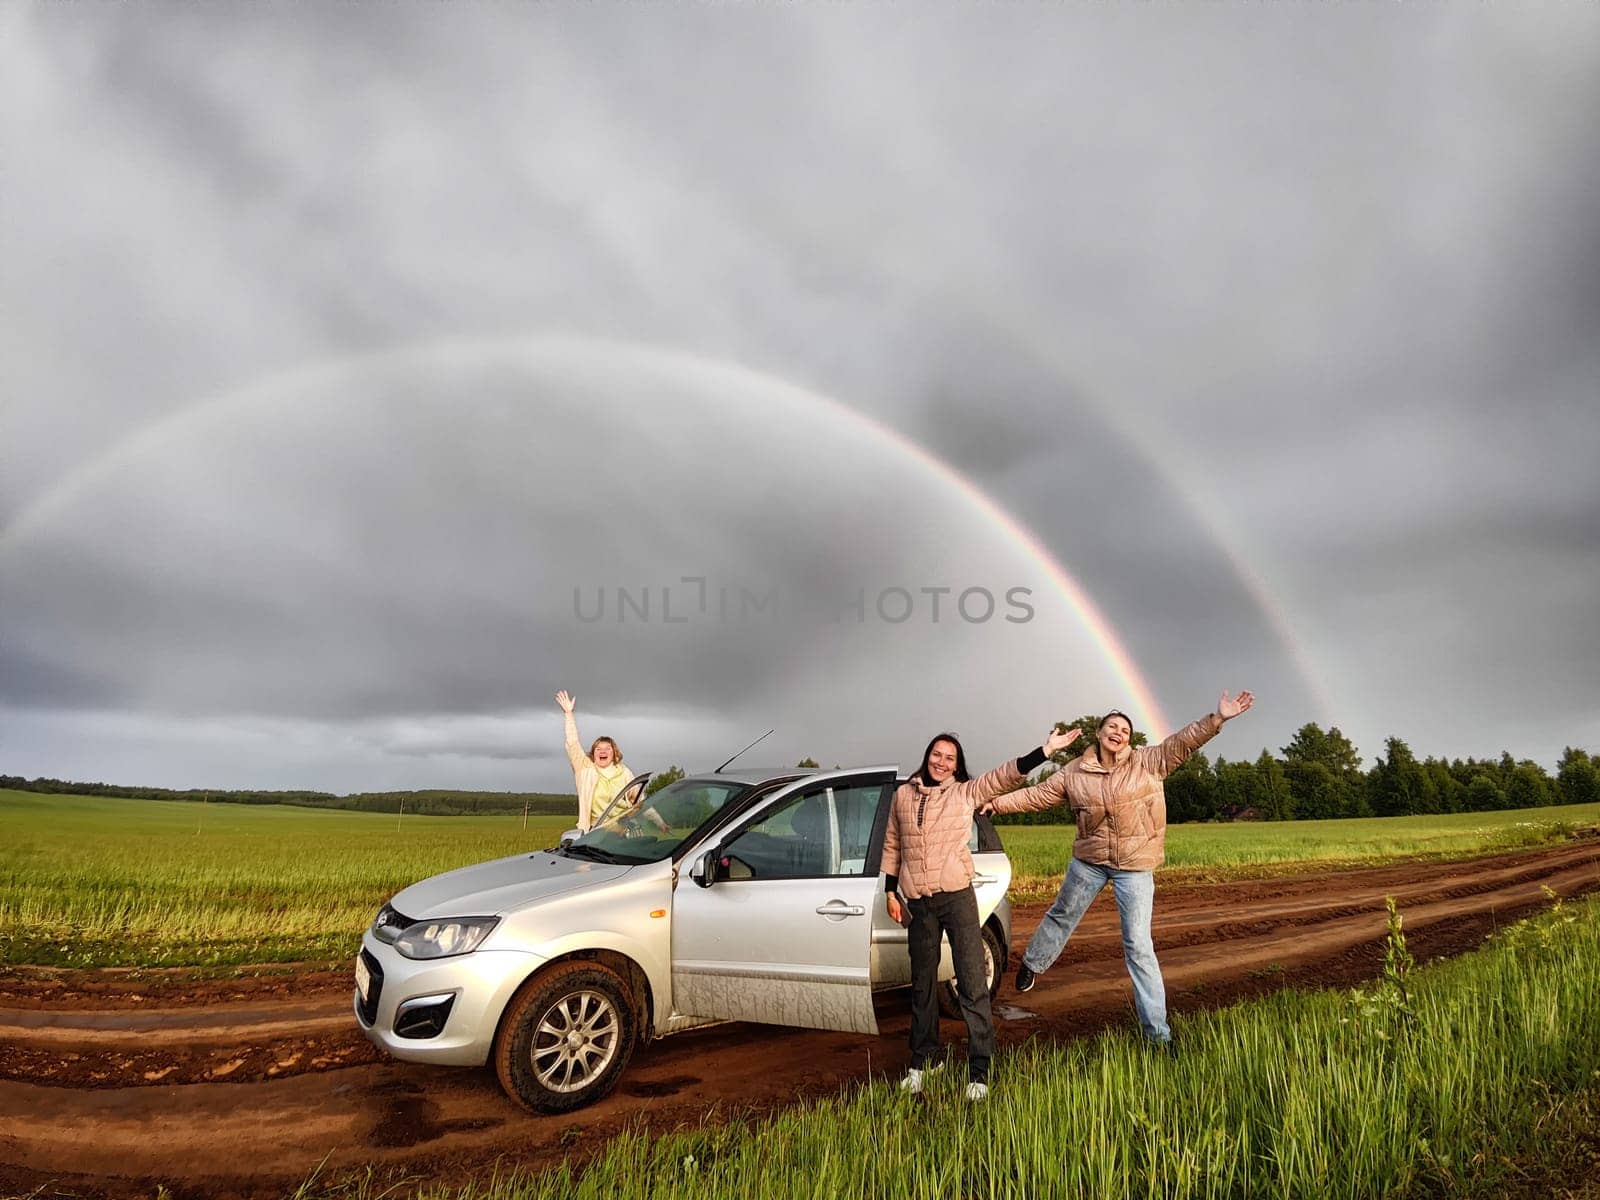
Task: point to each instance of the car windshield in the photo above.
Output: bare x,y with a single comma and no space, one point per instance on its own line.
654,827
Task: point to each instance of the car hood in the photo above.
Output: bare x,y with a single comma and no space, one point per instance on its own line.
502,885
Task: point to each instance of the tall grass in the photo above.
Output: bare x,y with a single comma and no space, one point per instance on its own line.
90,881
1333,1094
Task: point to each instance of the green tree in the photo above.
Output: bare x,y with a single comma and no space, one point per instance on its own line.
1529,787
1317,794
1192,791
1399,785
1355,796
1483,794
1332,749
806,762
1452,796
1273,798
1235,788
1342,791
660,780
1578,778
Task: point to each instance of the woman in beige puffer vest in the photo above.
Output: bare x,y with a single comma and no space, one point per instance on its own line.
926,861
1116,795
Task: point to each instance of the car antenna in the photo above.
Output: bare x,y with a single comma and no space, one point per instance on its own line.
762,738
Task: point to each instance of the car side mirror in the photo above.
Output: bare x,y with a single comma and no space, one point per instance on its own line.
571,836
704,869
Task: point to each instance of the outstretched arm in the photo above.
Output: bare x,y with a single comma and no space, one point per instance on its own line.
575,754
1172,753
1041,795
986,787
1054,742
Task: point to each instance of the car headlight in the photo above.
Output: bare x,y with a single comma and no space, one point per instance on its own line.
444,939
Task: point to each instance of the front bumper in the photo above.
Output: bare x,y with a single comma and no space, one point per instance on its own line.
477,987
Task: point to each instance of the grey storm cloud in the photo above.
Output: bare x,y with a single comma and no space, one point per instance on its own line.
1275,326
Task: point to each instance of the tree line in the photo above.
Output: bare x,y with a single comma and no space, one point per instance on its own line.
432,803
1319,776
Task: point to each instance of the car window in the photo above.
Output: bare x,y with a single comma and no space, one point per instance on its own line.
821,832
858,810
654,826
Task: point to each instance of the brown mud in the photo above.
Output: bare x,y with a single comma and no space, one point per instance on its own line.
116,1083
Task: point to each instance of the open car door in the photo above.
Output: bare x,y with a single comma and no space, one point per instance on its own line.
773,920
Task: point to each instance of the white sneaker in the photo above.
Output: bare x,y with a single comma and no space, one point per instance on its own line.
912,1083
977,1092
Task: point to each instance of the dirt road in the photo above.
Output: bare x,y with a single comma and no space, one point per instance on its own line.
244,1087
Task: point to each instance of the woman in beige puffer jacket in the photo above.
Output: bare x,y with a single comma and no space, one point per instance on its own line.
1116,795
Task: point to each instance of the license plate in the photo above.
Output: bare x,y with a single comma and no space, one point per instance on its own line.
363,978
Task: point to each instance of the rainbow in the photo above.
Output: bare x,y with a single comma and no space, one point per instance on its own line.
1116,655
1020,325
37,515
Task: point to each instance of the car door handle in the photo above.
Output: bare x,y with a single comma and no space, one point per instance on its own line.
838,908
986,879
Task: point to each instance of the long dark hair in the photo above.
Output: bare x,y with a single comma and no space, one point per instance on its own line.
959,774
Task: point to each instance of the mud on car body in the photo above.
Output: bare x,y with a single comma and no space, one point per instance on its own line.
746,895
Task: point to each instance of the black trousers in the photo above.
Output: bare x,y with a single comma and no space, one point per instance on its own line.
956,915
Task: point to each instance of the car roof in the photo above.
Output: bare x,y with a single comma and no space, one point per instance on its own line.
768,774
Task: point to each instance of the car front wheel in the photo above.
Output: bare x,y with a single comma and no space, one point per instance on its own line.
566,1037
994,966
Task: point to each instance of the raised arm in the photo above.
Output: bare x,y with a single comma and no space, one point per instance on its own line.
575,752
1033,798
1175,750
983,790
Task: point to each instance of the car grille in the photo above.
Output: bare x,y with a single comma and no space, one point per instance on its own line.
369,1010
390,924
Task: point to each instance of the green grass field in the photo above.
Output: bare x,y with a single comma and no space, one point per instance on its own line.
97,881
1202,852
1475,1077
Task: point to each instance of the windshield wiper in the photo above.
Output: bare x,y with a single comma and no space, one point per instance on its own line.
580,850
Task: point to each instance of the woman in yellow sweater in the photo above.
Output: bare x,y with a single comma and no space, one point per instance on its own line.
599,774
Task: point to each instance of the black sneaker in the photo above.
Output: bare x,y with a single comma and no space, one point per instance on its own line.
1025,978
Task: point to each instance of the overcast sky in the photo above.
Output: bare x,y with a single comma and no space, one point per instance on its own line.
909,367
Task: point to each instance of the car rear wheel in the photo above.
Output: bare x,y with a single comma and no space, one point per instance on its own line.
566,1037
994,967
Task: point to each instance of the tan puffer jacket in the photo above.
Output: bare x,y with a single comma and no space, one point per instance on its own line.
926,842
1121,810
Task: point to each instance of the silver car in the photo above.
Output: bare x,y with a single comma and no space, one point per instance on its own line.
743,895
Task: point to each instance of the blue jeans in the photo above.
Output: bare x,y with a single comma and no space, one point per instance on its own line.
1136,893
